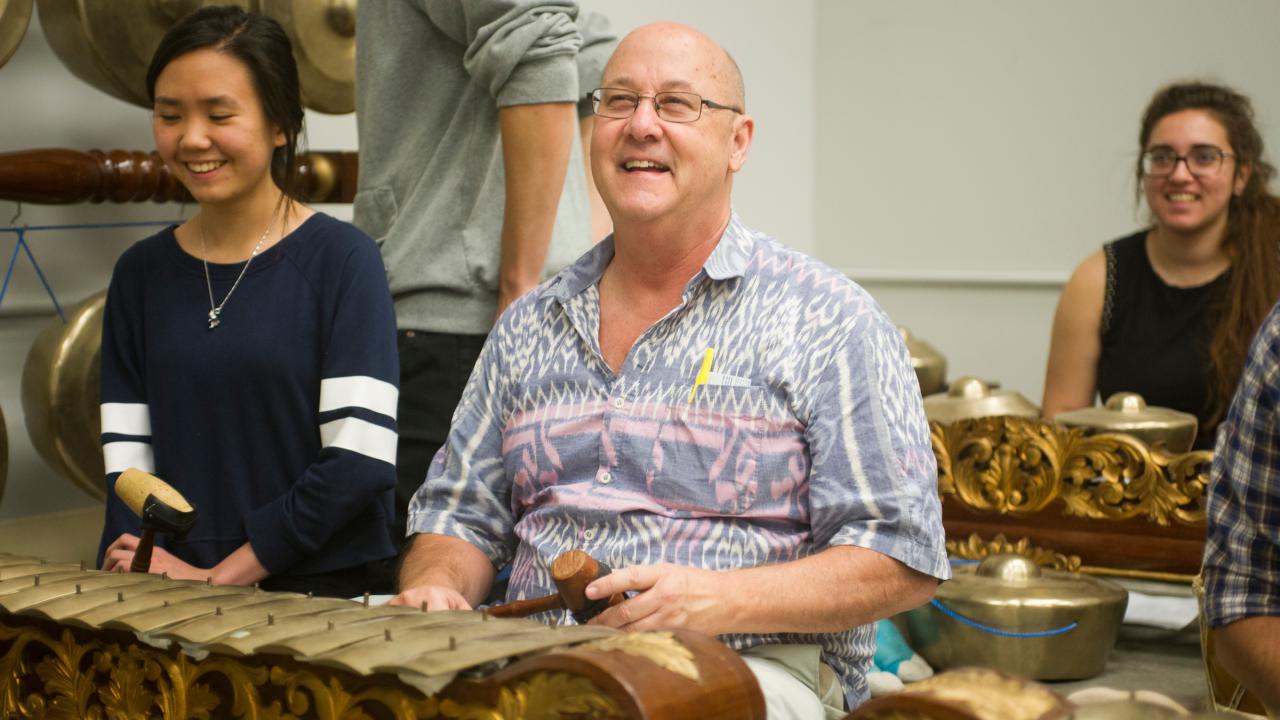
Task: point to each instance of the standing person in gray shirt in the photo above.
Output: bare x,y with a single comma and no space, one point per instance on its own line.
471,179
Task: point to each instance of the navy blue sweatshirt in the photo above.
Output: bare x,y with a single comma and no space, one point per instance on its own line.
279,424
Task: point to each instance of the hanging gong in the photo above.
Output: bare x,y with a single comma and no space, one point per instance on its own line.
61,392
109,43
15,15
323,33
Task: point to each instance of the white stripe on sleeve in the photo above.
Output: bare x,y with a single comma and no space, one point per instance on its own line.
360,436
359,391
126,418
120,456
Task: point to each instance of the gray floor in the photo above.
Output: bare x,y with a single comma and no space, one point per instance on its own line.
1166,662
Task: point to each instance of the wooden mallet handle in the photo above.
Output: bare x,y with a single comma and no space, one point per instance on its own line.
142,556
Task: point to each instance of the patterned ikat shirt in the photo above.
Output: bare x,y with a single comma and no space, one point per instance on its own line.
809,433
1242,553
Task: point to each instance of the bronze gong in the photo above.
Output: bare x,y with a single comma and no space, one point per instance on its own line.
323,33
15,15
60,395
109,43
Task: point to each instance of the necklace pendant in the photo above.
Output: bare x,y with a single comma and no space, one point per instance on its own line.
213,318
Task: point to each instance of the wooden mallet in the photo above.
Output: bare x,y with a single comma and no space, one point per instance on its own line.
161,508
572,572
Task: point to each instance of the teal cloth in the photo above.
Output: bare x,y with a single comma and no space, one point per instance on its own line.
891,648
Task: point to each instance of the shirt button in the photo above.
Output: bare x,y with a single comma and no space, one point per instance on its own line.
589,534
606,478
618,403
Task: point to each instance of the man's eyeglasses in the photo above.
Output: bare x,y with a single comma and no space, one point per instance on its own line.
676,107
1202,160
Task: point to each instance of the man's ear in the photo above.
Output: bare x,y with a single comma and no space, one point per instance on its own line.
744,128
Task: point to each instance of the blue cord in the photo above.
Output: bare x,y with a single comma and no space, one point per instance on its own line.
21,244
996,631
90,226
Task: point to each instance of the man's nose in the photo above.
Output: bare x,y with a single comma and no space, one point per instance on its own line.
644,122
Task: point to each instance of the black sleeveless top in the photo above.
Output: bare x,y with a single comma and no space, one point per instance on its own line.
1154,336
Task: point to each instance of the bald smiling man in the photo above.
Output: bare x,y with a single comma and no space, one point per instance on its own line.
733,426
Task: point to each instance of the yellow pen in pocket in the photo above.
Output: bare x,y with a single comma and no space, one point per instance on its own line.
703,373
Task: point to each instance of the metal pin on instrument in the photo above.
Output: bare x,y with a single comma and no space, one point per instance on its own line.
83,566
119,597
217,611
424,606
164,576
77,588
453,643
37,581
366,599
166,603
271,619
330,624
386,634
208,580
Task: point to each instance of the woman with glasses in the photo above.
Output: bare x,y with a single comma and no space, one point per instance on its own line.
1168,312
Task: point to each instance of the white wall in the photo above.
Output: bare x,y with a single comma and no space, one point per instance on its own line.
971,153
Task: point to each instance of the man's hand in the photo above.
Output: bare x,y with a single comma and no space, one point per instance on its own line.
120,554
670,596
431,598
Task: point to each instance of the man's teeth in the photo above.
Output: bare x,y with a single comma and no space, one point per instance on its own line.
1182,197
643,165
204,166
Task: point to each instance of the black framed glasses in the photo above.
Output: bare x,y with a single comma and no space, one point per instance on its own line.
676,107
1202,160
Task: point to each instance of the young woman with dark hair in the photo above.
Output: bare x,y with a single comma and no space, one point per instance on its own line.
1169,311
248,354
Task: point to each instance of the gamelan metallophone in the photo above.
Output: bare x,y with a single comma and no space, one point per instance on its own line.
78,643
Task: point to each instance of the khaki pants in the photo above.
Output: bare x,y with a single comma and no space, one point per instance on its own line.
796,684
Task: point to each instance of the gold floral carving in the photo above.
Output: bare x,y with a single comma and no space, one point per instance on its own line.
975,548
660,648
550,695
1018,466
75,675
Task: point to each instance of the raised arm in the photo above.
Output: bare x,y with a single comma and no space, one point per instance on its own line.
536,141
1071,380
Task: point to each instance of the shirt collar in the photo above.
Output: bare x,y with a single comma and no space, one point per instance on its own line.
728,260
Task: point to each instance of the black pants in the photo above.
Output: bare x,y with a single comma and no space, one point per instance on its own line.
434,368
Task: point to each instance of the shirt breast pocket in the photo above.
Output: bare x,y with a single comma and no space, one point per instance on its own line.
707,455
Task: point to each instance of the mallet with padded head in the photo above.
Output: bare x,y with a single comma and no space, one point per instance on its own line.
161,508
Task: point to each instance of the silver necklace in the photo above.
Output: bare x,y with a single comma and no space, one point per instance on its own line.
215,311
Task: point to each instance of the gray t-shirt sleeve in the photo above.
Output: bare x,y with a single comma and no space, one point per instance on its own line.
522,53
